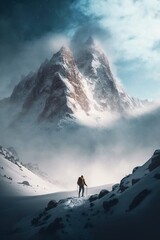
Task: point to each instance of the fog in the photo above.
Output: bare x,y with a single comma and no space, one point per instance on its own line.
103,155
27,57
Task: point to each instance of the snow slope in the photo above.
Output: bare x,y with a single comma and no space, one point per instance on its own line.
130,211
17,180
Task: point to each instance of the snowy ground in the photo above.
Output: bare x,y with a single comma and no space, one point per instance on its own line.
128,211
16,180
13,209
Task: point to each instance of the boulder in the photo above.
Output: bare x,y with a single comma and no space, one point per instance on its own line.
107,205
26,183
115,186
155,162
51,204
134,181
103,193
93,197
138,199
135,169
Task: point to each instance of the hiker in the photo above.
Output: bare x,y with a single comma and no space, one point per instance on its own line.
81,182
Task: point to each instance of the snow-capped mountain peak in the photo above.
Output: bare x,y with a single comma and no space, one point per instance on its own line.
69,88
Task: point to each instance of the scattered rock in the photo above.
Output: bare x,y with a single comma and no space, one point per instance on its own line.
155,162
35,221
93,197
135,169
157,152
113,195
157,176
138,199
51,204
134,181
103,193
53,227
9,178
92,204
26,183
115,186
123,184
107,205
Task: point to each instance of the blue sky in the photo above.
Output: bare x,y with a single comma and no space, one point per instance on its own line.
132,41
128,30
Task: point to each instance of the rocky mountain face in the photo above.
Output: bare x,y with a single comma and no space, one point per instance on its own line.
68,87
107,92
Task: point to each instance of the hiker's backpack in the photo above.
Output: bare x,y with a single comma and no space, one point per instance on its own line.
79,182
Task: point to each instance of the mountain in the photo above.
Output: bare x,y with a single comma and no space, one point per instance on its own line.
107,92
130,210
17,180
34,167
68,88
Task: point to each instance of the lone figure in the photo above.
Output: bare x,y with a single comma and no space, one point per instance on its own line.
81,182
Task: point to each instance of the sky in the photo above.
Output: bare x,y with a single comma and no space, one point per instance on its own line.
128,30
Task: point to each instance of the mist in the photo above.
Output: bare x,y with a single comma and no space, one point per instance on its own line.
28,58
103,155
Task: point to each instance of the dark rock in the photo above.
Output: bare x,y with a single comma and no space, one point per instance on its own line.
135,169
157,152
155,162
93,197
134,181
157,176
53,227
138,199
92,204
84,214
26,183
51,204
103,193
107,205
113,195
115,186
123,184
35,221
122,187
62,201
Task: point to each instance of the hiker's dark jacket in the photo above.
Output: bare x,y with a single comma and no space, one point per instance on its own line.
81,182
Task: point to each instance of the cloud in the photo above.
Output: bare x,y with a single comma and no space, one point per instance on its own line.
134,25
128,30
134,36
27,57
101,155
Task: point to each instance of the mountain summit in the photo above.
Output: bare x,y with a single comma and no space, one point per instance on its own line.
69,87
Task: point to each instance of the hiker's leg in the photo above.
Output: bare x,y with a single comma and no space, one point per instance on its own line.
79,190
82,191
